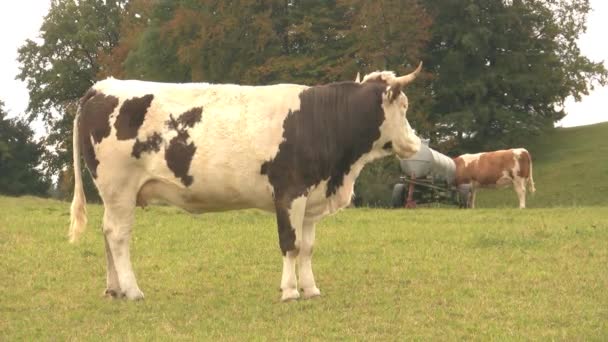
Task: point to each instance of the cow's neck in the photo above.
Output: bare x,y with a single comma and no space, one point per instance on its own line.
366,159
344,195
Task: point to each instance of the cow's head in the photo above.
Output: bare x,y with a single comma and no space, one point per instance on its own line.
396,132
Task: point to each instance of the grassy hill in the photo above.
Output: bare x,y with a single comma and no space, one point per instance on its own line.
570,168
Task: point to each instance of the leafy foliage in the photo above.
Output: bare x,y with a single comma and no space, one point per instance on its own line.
60,66
19,158
260,42
375,183
64,63
504,68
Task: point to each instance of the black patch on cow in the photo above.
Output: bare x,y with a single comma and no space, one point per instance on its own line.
264,168
179,156
179,153
151,144
335,125
191,117
131,116
388,146
287,235
94,122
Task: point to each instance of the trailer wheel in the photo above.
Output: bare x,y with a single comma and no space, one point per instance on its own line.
398,197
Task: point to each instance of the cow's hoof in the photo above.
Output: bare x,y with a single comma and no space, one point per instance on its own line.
311,293
134,294
113,293
289,295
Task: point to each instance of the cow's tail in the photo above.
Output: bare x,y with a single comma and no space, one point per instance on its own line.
78,210
530,179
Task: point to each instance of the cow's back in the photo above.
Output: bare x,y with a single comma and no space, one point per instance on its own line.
206,141
490,168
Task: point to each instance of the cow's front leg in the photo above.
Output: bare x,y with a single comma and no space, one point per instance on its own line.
472,196
289,284
117,223
290,215
305,275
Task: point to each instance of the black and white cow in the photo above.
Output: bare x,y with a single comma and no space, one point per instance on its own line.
289,149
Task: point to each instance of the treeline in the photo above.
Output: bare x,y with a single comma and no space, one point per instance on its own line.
20,172
494,70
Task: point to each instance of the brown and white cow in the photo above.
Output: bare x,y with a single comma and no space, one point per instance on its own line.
495,169
289,149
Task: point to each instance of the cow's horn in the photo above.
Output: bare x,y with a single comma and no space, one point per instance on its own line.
358,79
405,80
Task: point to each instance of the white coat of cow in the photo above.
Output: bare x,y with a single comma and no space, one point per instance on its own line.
290,149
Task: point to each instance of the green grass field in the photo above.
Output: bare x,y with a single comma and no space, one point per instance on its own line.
425,274
385,274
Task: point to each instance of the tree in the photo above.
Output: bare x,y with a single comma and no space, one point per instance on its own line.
261,42
134,19
504,68
19,158
63,64
60,66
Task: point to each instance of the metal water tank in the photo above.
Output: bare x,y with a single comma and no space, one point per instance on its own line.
428,162
419,164
442,167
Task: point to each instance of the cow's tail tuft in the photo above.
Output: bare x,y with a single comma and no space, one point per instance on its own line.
78,210
530,179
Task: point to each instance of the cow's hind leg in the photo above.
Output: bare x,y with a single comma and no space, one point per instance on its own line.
290,216
306,277
117,225
112,284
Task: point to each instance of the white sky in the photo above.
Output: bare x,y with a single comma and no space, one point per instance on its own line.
20,20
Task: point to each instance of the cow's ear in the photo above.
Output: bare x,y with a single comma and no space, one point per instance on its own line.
358,79
398,83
